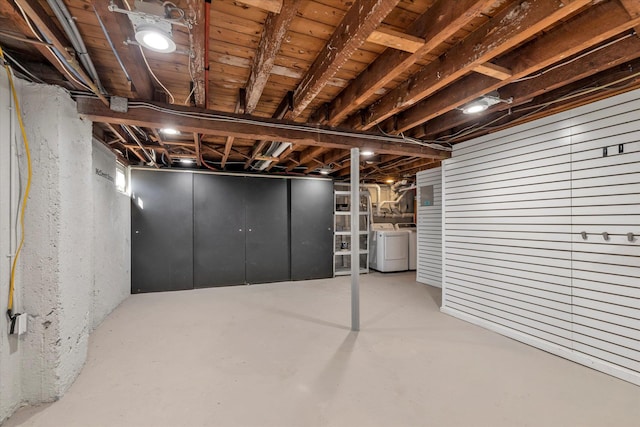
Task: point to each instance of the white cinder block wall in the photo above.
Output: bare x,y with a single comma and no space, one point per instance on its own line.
111,248
515,205
429,269
72,221
10,346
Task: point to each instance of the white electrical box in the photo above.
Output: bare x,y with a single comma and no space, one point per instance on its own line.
19,324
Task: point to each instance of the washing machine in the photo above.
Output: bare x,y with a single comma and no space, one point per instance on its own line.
389,248
412,231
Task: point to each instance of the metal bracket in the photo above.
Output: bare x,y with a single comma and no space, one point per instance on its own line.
584,235
605,236
631,237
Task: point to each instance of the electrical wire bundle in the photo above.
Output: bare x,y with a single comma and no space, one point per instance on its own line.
12,284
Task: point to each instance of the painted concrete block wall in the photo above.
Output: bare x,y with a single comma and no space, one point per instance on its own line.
57,263
112,249
59,284
10,345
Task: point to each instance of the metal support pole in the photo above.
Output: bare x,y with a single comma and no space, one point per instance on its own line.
355,239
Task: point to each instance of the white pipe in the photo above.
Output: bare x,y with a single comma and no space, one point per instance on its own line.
378,195
395,202
355,239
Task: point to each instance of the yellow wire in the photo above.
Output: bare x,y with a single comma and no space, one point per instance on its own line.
12,282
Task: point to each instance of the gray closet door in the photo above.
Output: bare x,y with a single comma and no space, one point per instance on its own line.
219,230
161,231
267,223
311,229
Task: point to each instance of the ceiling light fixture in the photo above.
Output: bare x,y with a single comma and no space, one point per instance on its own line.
481,104
170,131
152,22
366,153
156,38
324,171
186,161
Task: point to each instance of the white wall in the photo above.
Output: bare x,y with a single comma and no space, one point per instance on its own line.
60,284
515,204
429,261
10,346
111,238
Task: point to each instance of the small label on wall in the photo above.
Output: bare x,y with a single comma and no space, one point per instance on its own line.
104,175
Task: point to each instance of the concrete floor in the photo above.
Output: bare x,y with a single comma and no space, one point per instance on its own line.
282,355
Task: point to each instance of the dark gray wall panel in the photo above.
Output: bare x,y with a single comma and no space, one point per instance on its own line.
219,230
267,237
161,231
311,229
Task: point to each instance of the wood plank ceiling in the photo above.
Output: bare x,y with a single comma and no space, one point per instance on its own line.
288,86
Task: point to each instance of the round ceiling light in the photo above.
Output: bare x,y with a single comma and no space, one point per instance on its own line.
170,131
366,153
475,107
155,39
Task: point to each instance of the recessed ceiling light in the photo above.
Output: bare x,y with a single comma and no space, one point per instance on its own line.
366,153
186,161
325,171
170,131
155,38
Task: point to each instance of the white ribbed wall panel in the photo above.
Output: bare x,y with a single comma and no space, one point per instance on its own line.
429,263
515,205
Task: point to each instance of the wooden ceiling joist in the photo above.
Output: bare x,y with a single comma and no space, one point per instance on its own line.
307,156
189,120
197,140
120,29
46,25
567,97
198,56
285,154
119,156
510,27
274,6
162,144
8,10
493,70
389,37
329,158
633,8
524,92
240,109
362,18
597,24
273,34
439,23
284,107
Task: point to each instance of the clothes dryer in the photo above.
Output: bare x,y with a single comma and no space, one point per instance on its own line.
412,231
389,248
